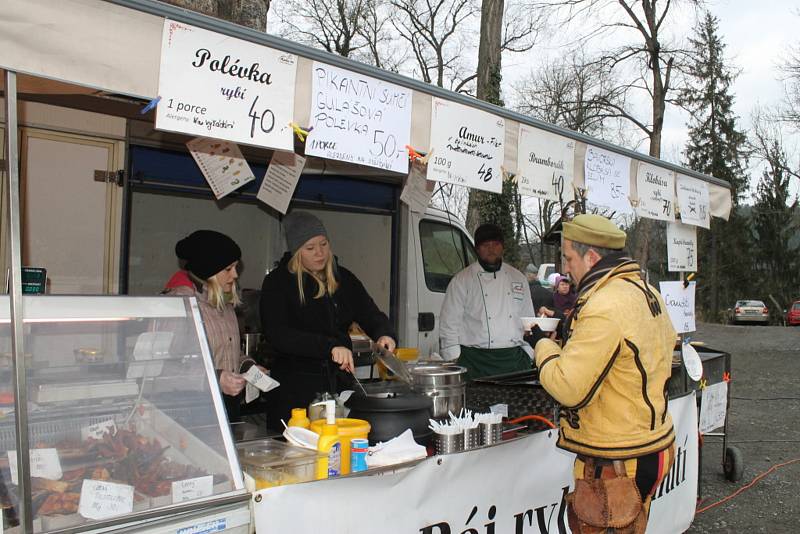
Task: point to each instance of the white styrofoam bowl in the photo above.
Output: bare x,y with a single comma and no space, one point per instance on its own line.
547,324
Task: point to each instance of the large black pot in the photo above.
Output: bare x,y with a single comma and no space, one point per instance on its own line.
390,414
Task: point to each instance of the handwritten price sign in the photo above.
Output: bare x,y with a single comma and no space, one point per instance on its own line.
680,304
656,192
467,145
608,179
102,500
693,199
681,247
545,164
359,119
225,88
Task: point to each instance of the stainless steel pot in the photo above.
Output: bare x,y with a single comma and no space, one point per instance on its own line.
443,383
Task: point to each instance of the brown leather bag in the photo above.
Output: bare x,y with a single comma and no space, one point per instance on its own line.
609,502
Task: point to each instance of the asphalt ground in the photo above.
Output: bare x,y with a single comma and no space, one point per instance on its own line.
764,424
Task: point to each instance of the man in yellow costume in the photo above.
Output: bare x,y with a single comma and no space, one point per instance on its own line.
610,378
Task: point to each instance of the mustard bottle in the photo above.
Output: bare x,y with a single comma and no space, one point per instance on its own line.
299,418
329,444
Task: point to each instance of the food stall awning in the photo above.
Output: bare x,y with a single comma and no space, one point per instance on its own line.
114,46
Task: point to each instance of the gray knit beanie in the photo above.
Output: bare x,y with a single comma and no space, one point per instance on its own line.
300,226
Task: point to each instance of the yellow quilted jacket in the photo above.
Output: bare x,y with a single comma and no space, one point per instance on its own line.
610,377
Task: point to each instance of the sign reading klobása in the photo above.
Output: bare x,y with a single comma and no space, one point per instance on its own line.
656,190
225,88
467,146
545,164
359,119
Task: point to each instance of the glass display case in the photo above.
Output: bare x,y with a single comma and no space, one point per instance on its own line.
125,418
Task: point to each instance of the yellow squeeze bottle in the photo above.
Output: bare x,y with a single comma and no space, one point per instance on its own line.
299,418
329,444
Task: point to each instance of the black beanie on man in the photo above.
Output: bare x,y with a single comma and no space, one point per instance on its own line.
488,232
207,252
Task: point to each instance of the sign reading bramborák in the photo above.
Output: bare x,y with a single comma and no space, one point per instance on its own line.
545,164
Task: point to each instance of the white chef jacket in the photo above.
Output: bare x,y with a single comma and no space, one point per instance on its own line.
483,310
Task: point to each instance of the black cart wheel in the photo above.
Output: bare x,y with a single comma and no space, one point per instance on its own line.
733,464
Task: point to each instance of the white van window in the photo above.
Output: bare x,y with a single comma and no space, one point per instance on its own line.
445,251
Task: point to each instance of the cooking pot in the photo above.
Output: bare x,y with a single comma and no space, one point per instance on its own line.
390,413
443,383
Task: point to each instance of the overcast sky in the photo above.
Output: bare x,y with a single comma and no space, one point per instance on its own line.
756,35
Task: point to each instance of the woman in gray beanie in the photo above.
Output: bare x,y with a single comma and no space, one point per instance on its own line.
307,306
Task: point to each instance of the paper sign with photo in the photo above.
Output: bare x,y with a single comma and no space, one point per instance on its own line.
467,146
222,163
280,181
656,191
681,247
545,163
680,304
693,201
608,180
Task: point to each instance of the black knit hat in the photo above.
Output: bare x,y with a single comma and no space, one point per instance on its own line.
207,252
488,232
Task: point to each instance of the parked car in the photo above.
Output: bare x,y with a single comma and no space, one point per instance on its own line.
793,314
750,311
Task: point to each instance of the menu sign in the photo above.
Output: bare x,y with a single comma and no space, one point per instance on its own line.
192,488
680,304
359,119
545,164
656,189
225,88
681,247
693,200
608,179
222,164
467,146
280,181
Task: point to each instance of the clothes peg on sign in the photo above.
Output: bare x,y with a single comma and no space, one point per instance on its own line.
687,280
300,132
726,377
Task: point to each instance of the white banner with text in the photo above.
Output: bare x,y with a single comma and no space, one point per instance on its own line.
517,487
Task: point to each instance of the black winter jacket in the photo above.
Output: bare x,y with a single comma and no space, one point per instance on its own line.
300,336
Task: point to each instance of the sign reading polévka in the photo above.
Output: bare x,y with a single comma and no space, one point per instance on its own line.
656,192
681,247
225,88
467,146
545,164
359,119
693,201
607,176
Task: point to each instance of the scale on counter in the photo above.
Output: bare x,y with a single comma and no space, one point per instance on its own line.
34,280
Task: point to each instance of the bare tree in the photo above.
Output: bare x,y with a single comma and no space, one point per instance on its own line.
333,25
250,13
434,32
382,48
789,111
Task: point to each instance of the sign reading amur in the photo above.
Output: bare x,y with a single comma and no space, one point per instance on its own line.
225,88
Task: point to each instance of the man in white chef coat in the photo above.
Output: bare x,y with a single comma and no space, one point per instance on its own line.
480,323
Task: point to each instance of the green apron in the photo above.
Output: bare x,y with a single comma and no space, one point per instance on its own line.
489,362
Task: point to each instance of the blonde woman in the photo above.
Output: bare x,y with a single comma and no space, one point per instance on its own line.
307,305
211,270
